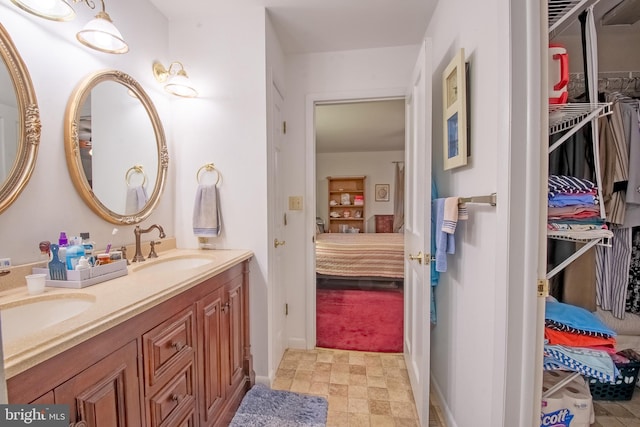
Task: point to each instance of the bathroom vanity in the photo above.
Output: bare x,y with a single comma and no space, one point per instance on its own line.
166,345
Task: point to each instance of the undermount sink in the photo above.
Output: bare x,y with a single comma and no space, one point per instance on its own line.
166,265
25,317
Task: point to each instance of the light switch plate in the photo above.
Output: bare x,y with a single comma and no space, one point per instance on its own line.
295,203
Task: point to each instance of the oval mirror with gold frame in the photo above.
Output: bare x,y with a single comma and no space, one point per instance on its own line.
18,104
115,147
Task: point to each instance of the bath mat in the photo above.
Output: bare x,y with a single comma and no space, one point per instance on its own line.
264,407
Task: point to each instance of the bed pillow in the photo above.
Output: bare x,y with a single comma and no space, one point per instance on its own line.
576,317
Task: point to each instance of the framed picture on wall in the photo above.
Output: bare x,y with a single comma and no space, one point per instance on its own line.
382,192
454,91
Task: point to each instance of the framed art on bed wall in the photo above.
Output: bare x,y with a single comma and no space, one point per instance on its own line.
382,192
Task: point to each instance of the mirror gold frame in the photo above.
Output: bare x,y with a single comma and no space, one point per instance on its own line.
72,146
29,126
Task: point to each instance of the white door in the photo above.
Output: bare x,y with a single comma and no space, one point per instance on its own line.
417,281
278,223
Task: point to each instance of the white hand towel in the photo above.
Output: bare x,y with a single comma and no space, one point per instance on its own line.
136,199
206,211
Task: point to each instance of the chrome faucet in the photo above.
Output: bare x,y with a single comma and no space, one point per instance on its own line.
138,257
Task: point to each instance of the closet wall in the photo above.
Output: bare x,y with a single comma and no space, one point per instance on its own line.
618,57
617,46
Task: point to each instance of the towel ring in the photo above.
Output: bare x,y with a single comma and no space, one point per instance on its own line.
136,169
209,167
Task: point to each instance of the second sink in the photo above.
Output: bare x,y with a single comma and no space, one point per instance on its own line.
166,265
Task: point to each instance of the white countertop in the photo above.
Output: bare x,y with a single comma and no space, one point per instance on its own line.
116,300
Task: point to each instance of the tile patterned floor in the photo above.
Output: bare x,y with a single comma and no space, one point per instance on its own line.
372,389
618,414
363,389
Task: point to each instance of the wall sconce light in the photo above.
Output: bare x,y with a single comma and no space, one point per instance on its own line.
99,33
178,82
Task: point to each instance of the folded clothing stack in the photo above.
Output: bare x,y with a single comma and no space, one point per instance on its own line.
576,340
570,325
574,209
573,204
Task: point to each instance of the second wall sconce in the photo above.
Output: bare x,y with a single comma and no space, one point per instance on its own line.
99,33
178,82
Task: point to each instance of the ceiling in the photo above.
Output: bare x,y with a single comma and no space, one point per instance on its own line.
360,126
307,26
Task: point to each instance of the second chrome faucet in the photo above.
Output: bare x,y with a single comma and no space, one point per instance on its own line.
138,257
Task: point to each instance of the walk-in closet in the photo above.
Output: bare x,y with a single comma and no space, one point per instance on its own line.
592,312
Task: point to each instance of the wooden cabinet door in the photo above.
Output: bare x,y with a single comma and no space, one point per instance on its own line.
105,394
212,357
234,317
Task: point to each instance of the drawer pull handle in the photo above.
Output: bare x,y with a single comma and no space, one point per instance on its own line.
178,345
175,397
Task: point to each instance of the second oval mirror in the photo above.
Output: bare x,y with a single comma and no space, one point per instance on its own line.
115,147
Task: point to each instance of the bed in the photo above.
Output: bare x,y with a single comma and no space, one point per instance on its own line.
377,258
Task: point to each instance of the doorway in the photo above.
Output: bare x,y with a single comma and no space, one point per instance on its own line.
358,145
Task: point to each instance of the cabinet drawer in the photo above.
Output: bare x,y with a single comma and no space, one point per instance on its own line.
176,397
187,420
167,344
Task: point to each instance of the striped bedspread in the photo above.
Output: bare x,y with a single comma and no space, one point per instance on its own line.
360,254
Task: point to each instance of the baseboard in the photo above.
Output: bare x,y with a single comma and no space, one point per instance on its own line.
260,379
444,408
298,344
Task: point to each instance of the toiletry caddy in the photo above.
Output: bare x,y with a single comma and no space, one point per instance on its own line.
77,279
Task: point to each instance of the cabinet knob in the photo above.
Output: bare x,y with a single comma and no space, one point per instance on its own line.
178,345
225,307
175,397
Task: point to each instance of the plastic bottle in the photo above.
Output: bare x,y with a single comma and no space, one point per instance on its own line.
89,246
74,252
63,242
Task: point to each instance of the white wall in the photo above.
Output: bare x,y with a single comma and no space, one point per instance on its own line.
225,125
467,345
337,75
57,62
224,54
376,166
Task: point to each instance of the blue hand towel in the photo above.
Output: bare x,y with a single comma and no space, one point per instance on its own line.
445,242
206,212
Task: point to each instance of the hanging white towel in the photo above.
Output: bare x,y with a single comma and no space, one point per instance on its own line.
453,212
136,199
206,211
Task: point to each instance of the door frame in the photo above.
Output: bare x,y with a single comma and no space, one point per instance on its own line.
310,184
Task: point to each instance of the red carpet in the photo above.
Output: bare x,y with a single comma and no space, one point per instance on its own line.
359,320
